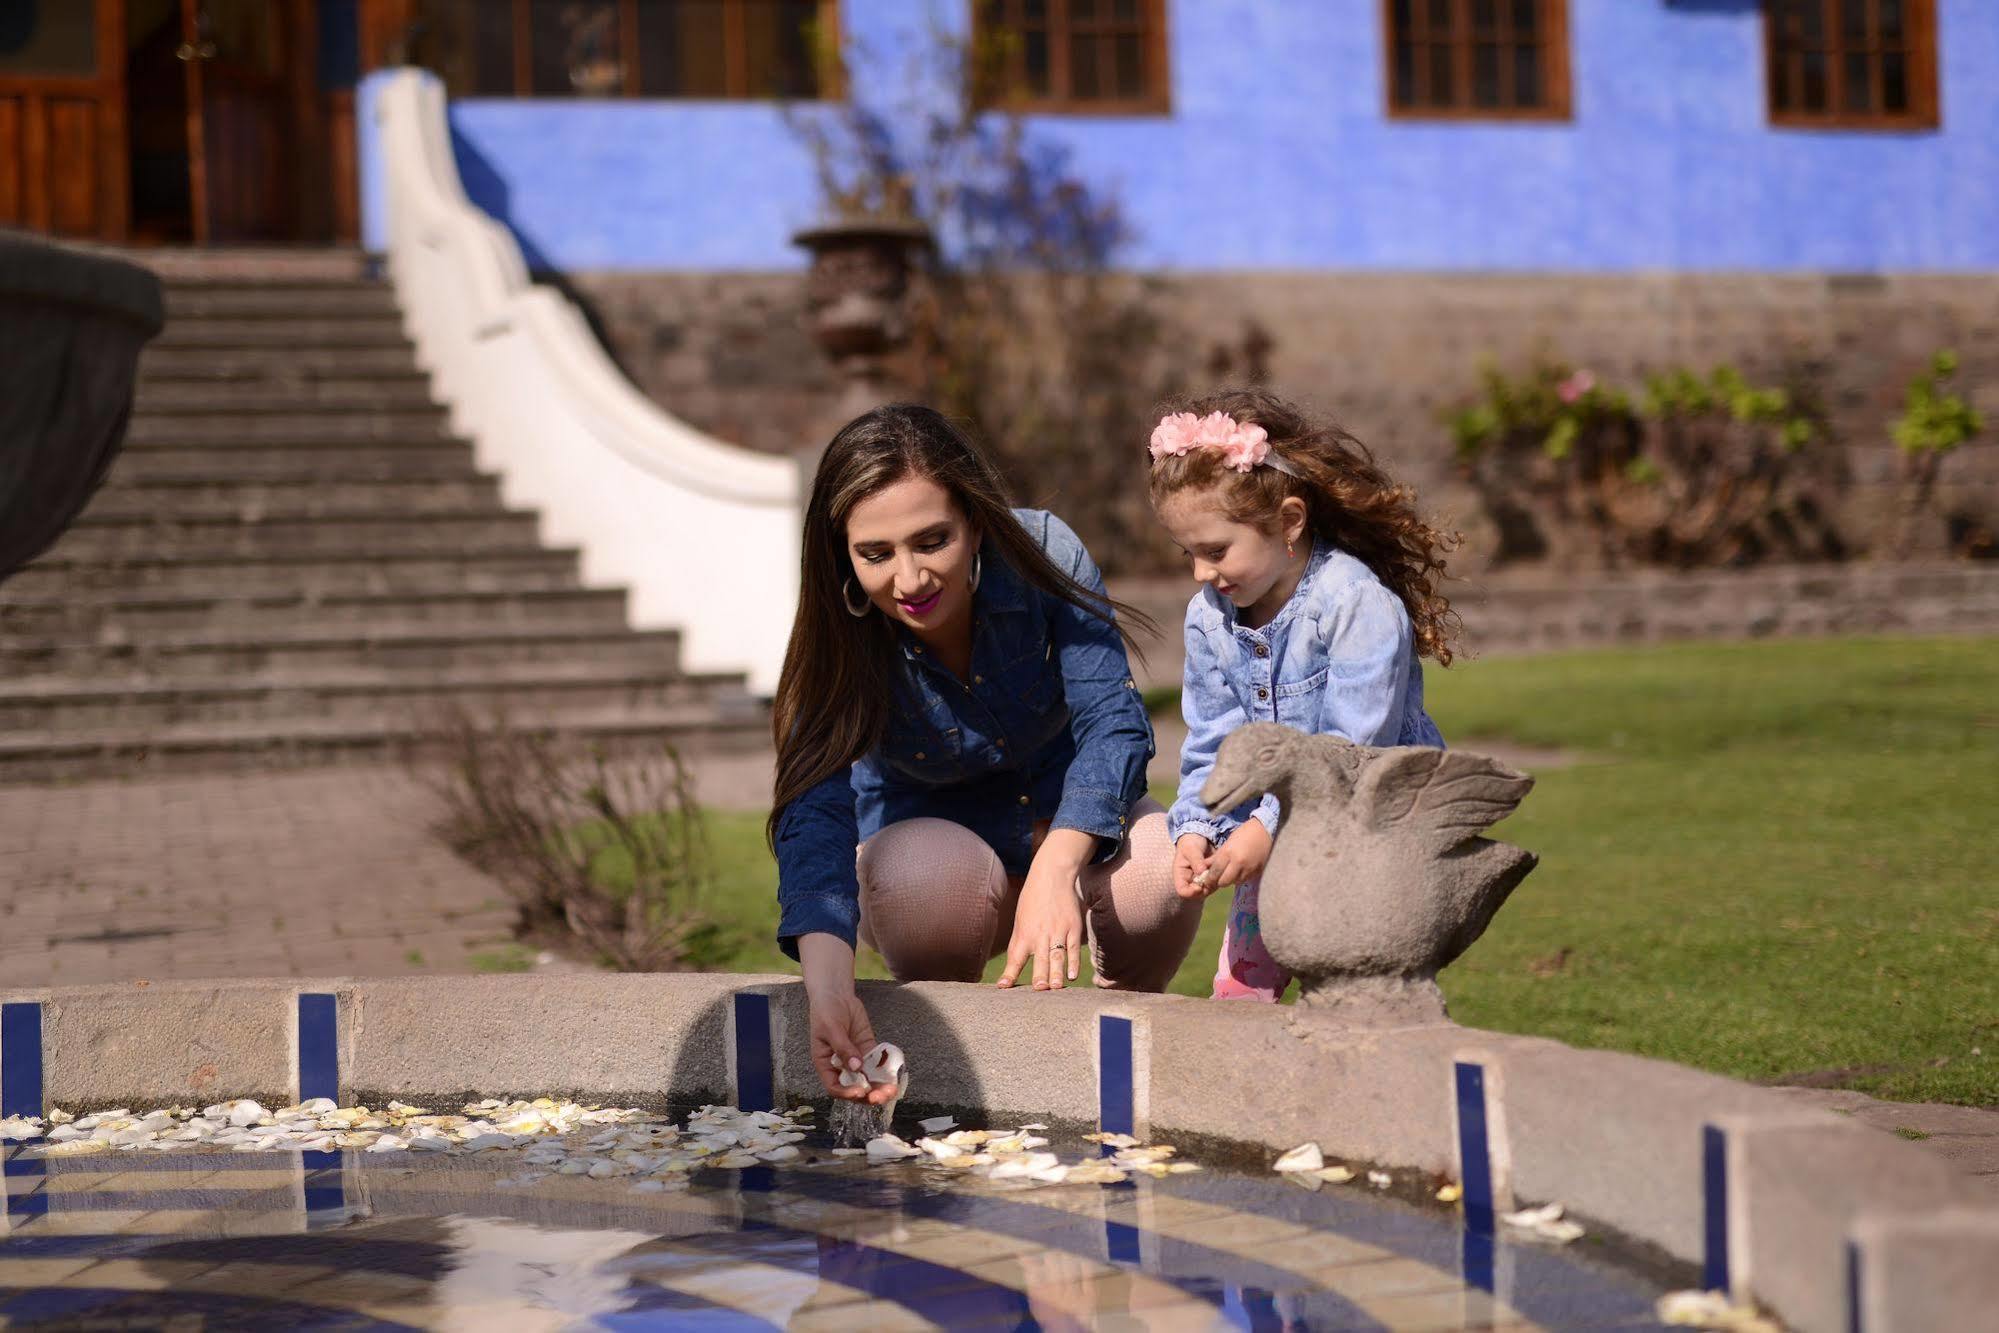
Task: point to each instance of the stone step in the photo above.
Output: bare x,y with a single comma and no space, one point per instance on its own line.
60,707
110,538
290,265
319,333
230,300
379,393
522,568
274,362
322,460
258,746
289,426
210,498
81,619
387,648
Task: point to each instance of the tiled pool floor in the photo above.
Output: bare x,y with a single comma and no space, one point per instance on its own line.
363,1241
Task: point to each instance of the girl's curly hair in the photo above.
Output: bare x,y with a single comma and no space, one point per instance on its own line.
1350,502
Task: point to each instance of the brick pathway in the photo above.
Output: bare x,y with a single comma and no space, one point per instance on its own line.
323,872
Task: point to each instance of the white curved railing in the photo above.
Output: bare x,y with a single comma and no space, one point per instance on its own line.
704,534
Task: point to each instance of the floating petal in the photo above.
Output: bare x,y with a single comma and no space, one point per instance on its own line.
1304,1157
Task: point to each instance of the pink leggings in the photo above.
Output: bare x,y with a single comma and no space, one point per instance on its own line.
1247,971
937,904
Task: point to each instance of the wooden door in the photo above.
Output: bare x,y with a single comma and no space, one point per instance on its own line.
241,152
62,117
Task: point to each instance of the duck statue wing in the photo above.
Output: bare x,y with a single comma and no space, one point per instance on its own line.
1441,798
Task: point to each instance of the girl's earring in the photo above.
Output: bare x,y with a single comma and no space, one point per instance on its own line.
846,596
1289,550
977,569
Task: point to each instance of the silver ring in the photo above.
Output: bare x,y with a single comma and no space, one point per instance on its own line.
1055,947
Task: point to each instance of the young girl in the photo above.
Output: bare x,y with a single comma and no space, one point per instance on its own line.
1319,597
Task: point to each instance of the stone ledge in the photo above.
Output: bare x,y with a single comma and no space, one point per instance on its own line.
1616,1138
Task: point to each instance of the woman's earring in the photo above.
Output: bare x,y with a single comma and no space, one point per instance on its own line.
857,612
977,569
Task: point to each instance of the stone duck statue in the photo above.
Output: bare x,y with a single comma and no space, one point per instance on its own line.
1378,877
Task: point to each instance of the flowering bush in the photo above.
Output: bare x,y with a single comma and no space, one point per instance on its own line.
1690,470
1935,422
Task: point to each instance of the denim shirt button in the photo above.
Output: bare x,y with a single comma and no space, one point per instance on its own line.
1002,742
978,680
1023,799
1262,693
921,755
1263,650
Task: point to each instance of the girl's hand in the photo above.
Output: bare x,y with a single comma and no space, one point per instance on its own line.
1243,856
1190,858
1048,919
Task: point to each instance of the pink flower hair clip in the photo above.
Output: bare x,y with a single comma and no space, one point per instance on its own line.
1243,446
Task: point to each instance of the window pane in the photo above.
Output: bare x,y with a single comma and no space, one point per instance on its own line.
1526,18
1485,74
682,49
1484,17
1403,13
1035,11
1526,76
1440,18
470,45
779,58
1813,95
1891,21
1895,82
1036,61
1853,21
573,48
1082,11
56,38
1130,66
1126,11
1443,91
1083,81
1405,73
1857,87
1811,21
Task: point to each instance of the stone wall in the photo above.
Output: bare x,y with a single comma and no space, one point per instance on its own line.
1388,354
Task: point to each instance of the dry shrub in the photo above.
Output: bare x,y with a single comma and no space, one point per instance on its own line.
612,851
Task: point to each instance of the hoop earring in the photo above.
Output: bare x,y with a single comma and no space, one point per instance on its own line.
978,570
857,613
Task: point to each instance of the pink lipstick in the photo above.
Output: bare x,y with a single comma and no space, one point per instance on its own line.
922,608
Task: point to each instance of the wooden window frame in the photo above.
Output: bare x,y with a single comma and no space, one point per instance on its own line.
735,47
1157,100
1556,105
1925,111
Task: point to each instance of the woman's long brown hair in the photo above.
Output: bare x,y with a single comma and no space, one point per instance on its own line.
833,693
1350,500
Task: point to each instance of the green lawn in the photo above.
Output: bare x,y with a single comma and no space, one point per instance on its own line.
1770,859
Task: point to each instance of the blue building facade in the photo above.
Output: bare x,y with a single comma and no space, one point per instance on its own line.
1278,152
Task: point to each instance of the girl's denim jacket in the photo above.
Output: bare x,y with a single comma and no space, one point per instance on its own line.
1338,658
1050,726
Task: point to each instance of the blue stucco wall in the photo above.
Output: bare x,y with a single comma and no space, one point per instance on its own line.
1278,154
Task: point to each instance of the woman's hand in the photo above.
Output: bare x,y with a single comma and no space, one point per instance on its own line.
1190,858
841,1033
1048,919
1243,856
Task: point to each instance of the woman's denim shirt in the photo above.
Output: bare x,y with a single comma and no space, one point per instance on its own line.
1338,658
1050,726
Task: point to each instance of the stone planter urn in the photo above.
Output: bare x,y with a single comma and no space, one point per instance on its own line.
857,306
71,327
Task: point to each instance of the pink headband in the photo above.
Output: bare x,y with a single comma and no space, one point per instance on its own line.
1243,447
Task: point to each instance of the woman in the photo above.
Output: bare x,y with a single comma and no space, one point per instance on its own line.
956,702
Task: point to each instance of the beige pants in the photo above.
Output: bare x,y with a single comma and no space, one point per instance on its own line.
937,904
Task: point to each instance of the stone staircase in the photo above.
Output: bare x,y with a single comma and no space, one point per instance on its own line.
294,562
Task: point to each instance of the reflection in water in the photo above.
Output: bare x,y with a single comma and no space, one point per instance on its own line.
351,1240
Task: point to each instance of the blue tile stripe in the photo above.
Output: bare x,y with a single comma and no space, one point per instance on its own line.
1714,1209
756,1088
1474,1149
318,1047
1116,1112
1853,1319
21,1058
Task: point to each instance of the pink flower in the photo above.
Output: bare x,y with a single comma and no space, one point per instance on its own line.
1174,435
1575,386
1247,447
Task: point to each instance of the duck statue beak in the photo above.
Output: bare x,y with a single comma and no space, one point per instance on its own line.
1223,791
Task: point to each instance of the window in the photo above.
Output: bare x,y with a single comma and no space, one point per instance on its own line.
1478,59
1074,55
627,48
1852,64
